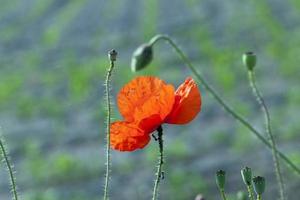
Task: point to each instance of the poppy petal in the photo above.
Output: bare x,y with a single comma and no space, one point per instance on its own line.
144,97
187,103
125,136
151,123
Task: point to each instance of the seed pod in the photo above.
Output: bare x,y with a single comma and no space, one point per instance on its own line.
220,179
112,55
249,60
259,185
247,175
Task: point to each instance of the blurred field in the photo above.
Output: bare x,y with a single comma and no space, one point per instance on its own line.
53,59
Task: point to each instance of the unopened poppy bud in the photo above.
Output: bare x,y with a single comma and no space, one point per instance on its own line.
141,57
249,60
220,179
247,175
259,184
241,195
112,55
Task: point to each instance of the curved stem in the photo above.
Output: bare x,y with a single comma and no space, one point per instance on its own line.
10,169
108,119
222,192
159,172
250,192
259,197
227,108
270,135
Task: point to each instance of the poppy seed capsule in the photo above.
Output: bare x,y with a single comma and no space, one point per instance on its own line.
247,175
249,60
259,185
220,179
112,55
141,57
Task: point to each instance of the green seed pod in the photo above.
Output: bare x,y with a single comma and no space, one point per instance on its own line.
141,57
112,55
259,185
220,179
241,195
249,60
247,175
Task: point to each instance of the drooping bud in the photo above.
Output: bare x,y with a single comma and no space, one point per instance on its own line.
112,55
247,175
259,185
220,179
141,57
241,195
249,60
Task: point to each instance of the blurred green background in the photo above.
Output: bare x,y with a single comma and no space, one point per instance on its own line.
53,59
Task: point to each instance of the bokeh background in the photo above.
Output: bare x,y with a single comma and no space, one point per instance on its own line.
53,59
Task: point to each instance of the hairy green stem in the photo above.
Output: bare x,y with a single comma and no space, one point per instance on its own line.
250,192
227,108
259,197
9,168
159,172
108,119
222,192
269,133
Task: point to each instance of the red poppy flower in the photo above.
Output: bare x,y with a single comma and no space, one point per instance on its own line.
146,102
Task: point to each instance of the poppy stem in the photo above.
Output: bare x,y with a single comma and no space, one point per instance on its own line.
226,107
9,168
223,195
250,192
159,173
112,57
259,197
269,133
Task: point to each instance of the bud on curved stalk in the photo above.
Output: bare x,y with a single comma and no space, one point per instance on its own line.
247,175
141,57
259,185
249,60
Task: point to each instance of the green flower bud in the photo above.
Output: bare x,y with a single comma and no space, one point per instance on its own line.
112,55
141,57
249,60
220,179
241,195
259,185
247,175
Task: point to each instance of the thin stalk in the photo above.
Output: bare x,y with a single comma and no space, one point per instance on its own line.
222,192
269,132
259,197
159,172
250,192
227,108
108,119
6,160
